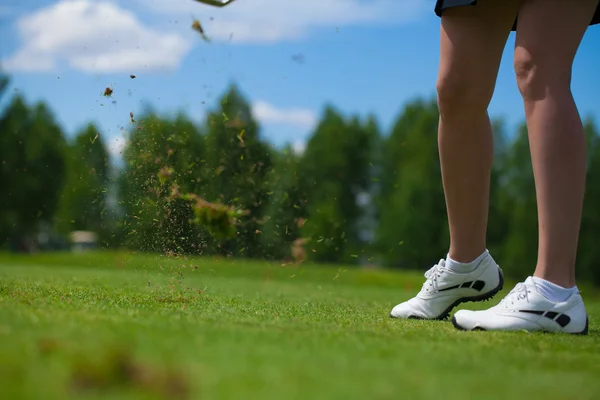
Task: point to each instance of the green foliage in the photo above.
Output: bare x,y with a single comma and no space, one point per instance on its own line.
286,208
84,195
589,251
219,189
499,208
237,164
337,167
32,169
152,220
4,81
412,228
326,227
519,251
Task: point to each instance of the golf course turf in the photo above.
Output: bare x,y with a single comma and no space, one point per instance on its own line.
122,325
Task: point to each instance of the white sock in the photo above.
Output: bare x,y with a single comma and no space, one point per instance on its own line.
465,267
552,291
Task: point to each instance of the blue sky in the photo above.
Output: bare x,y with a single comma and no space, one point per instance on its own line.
361,56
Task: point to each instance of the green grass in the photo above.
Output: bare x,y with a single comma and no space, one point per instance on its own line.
130,326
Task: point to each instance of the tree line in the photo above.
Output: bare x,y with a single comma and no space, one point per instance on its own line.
355,195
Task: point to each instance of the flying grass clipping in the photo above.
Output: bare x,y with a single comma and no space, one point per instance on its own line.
196,23
218,219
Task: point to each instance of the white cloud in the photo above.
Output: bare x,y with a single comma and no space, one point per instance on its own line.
102,36
299,146
116,146
267,21
93,36
268,113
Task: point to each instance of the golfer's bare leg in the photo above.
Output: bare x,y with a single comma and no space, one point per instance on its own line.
548,35
472,43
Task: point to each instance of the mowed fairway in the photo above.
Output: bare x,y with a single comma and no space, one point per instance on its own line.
116,325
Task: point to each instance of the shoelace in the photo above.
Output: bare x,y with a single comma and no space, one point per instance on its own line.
520,292
432,274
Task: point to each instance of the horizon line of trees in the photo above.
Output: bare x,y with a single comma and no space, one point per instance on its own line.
354,195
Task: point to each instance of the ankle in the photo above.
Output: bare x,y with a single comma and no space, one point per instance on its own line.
560,279
460,266
552,291
466,256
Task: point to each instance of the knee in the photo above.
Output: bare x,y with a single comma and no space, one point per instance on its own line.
538,77
460,93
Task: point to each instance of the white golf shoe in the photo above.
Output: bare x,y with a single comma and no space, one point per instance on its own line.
524,308
444,289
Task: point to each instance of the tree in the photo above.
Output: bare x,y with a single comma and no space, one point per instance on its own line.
412,211
499,207
237,164
152,221
368,219
286,208
4,81
32,153
337,168
83,199
588,251
519,209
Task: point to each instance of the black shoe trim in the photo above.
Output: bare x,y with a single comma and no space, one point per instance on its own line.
585,328
551,314
536,312
477,285
460,328
456,325
562,319
482,297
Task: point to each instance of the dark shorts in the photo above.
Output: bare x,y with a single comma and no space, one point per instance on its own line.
441,5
